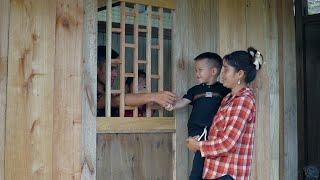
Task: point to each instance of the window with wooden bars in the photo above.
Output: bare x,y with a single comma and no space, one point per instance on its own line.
135,38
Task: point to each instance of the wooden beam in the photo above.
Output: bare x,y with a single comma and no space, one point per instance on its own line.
258,37
136,55
108,58
160,56
130,30
180,77
89,91
290,108
67,126
122,57
4,38
148,56
168,4
30,96
135,125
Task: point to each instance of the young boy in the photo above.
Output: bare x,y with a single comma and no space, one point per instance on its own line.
205,99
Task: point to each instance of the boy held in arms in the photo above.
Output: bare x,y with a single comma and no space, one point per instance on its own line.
205,99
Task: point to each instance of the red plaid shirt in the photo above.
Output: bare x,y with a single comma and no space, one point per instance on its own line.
230,141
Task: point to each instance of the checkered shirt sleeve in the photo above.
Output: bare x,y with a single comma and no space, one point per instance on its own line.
228,149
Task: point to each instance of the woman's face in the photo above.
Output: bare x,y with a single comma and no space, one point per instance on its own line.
229,76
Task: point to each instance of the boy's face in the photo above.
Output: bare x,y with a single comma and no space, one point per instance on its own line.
204,73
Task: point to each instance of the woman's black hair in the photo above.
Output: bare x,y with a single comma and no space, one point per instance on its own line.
245,60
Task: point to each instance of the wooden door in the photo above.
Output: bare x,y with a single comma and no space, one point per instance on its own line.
308,28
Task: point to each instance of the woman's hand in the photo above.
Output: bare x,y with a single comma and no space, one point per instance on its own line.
193,144
163,98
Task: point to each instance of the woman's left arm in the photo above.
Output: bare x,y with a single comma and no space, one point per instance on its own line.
239,113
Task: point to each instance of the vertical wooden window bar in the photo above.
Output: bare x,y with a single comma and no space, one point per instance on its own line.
154,75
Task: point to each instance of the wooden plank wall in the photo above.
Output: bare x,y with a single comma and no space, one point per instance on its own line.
29,123
289,153
89,93
194,32
4,37
266,88
43,128
134,156
67,125
268,26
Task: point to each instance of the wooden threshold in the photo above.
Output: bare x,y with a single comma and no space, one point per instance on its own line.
135,124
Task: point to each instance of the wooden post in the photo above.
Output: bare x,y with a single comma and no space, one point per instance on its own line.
122,57
136,52
108,57
148,52
289,131
180,77
67,124
160,55
4,37
30,97
89,91
265,120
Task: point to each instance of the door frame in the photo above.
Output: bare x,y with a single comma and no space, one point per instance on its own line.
301,19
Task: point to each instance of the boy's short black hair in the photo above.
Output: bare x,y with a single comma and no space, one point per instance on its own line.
213,59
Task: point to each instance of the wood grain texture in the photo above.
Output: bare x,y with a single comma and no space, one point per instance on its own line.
135,125
67,125
134,156
257,36
89,93
108,58
289,128
29,124
198,35
122,57
4,38
232,25
148,56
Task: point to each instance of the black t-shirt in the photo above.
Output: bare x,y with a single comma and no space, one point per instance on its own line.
205,100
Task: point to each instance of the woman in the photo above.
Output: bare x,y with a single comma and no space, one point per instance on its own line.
228,150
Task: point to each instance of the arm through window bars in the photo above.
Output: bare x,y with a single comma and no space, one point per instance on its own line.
121,61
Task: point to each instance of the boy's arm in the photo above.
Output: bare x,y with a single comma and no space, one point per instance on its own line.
179,104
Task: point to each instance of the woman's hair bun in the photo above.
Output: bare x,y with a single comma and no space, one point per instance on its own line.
257,58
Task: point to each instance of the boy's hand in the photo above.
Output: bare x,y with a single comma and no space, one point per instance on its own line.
169,107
